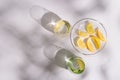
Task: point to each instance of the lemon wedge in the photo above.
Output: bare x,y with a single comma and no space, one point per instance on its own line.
100,35
80,43
96,42
82,33
89,28
90,46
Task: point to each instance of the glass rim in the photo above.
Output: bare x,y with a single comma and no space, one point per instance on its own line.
73,42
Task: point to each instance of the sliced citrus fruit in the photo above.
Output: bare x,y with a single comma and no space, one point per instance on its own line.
76,65
80,63
96,42
100,35
62,27
89,28
90,46
80,43
58,26
82,33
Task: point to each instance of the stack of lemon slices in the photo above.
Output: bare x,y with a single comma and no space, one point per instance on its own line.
91,39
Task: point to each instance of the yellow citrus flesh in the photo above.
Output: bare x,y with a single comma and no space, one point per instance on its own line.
80,64
89,28
100,35
80,43
90,46
82,33
58,26
96,42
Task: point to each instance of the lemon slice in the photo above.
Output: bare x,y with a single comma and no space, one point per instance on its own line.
96,42
58,26
89,28
80,43
100,35
90,46
82,33
62,27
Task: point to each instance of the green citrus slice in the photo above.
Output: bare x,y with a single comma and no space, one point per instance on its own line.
76,65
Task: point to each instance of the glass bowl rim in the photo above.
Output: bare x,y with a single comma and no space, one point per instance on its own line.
74,27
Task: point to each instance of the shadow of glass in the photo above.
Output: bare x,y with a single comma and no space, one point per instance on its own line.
38,71
85,74
32,44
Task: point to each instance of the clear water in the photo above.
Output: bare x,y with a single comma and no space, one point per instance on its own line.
62,56
50,21
67,59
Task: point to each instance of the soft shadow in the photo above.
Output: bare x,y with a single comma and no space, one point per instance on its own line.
85,73
84,7
31,45
106,57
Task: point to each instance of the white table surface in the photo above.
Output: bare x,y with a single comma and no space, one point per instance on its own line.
22,40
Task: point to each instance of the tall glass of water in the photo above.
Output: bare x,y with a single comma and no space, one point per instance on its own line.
64,58
50,21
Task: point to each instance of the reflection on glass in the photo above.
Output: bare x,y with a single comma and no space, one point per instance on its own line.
50,20
64,58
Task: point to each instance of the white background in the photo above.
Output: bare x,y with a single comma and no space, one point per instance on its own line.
22,40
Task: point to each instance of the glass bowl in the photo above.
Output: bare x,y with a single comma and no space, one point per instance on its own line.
81,25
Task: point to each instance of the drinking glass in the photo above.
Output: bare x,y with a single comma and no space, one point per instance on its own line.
50,21
64,58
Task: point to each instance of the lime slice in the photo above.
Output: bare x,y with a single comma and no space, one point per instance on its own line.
76,65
